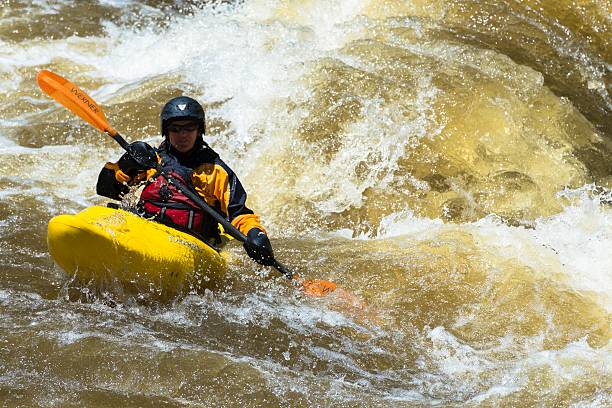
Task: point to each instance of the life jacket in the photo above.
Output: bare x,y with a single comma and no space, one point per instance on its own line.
166,204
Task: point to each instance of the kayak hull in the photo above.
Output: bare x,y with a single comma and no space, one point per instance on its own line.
114,248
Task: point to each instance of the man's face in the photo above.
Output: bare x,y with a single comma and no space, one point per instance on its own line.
183,134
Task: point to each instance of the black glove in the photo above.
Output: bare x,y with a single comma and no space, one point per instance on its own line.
140,156
258,247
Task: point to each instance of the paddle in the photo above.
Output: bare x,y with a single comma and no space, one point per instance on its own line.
78,102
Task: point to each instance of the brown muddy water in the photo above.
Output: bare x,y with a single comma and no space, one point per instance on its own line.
448,162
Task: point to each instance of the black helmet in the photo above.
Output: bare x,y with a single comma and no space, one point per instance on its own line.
182,107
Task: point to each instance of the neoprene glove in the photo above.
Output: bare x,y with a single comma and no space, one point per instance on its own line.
140,156
258,247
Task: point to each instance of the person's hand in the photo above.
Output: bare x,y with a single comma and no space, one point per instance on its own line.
140,156
258,247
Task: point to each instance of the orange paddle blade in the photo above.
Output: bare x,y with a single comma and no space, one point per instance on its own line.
74,99
318,288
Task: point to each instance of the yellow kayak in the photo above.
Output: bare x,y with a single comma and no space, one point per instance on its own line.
108,246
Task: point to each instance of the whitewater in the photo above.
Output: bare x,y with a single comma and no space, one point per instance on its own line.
448,163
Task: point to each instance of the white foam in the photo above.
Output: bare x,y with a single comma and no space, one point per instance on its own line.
409,396
582,237
66,172
574,243
72,336
455,359
6,144
570,365
233,53
406,223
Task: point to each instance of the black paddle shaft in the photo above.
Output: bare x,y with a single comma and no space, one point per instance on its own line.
227,226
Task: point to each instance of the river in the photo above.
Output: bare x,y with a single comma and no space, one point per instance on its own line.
446,162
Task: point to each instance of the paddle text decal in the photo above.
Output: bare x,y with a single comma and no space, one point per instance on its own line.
83,97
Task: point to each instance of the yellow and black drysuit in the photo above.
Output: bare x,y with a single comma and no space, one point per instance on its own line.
202,171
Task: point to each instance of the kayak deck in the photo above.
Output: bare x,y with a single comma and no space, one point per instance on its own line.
107,246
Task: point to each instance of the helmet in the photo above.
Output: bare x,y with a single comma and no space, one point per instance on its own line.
182,107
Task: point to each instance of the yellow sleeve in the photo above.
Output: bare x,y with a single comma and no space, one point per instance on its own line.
245,222
213,182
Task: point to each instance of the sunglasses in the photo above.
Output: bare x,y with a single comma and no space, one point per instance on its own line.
190,127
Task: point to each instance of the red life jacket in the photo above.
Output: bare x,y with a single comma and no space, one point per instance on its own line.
167,204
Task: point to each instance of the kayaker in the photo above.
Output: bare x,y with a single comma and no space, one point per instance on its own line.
187,157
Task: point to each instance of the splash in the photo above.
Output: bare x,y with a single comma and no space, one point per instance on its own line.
445,161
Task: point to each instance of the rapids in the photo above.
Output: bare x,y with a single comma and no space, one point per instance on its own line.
448,162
